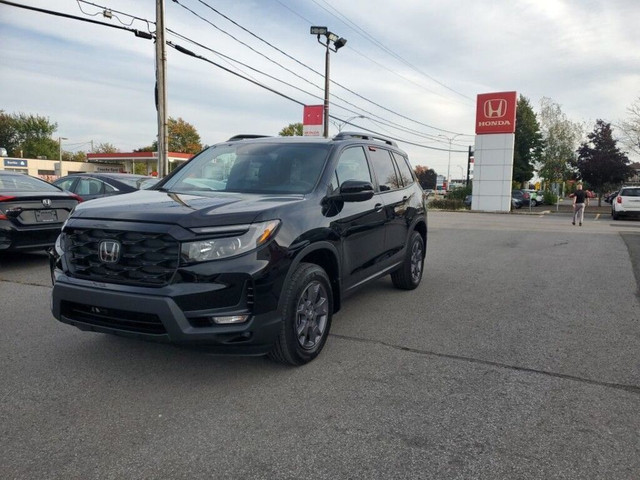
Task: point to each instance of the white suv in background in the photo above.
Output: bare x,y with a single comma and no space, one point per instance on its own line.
627,202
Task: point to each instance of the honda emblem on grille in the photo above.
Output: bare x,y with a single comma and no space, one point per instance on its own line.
46,202
109,251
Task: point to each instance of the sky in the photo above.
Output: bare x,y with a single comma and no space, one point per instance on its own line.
410,70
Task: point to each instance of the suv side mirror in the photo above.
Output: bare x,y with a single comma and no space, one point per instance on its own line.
356,191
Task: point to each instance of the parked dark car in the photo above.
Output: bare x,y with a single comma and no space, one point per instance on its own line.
95,185
522,196
249,248
611,196
32,212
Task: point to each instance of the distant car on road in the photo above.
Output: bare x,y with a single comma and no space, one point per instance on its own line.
626,203
32,212
96,185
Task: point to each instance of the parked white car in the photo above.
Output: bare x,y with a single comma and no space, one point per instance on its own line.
626,203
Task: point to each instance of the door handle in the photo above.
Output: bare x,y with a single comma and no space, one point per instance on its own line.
378,207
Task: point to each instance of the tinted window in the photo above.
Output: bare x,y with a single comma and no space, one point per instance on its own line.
383,168
66,183
353,166
405,171
89,186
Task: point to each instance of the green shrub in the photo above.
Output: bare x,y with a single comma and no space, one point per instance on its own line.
447,204
459,193
550,198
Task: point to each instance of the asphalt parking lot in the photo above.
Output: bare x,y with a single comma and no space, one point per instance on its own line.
516,358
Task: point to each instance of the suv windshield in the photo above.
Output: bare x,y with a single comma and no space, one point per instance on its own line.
252,168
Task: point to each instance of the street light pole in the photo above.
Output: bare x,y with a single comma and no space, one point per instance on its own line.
450,139
60,154
346,122
326,93
338,42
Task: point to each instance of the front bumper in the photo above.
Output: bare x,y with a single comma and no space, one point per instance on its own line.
155,315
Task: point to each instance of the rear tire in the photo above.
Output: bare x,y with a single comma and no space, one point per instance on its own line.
307,308
409,275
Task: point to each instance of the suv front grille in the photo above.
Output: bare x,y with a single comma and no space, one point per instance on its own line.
145,258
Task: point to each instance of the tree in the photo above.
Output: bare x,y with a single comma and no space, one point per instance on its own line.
28,135
182,137
561,138
291,130
600,161
631,128
105,148
528,142
8,133
426,176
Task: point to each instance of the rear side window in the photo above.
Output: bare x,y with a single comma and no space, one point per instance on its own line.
384,169
406,177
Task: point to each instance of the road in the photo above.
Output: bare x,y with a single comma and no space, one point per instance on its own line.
516,358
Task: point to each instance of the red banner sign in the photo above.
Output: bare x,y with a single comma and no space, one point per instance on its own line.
496,113
312,121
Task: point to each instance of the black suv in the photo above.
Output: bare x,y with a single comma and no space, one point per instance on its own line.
249,247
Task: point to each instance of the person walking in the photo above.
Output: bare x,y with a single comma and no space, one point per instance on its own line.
580,201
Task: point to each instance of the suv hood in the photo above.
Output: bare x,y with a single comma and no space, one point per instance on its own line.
188,211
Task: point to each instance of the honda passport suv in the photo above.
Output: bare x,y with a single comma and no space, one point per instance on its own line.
248,248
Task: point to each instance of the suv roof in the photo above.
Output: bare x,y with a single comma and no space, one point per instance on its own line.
339,137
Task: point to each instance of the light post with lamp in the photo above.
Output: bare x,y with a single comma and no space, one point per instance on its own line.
347,121
60,154
450,139
338,42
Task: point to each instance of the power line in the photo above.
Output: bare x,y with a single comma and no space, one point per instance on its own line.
137,33
190,53
364,34
380,119
300,63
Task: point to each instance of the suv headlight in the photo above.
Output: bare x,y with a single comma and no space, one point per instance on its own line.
229,242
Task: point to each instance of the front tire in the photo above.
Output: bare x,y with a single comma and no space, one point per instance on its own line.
307,308
409,275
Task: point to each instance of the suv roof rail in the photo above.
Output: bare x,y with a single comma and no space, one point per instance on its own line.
244,136
364,136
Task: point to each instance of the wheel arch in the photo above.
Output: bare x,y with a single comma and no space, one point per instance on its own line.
325,255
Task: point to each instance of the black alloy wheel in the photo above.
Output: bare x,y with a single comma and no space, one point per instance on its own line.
409,275
307,309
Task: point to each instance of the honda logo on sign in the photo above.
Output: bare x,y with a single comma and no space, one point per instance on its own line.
109,251
496,112
495,108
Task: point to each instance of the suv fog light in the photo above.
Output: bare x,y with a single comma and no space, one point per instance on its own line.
230,319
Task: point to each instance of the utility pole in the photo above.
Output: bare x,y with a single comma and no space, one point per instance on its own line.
161,90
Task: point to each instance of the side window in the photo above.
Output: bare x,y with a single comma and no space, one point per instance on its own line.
383,168
352,165
109,189
66,183
89,186
406,176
